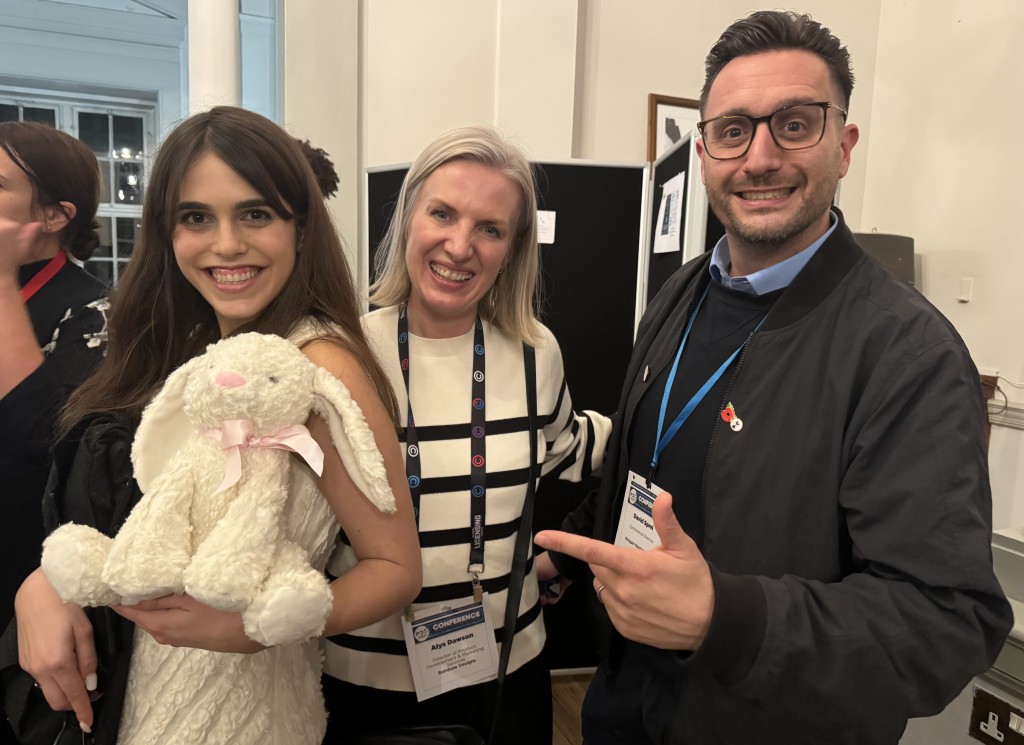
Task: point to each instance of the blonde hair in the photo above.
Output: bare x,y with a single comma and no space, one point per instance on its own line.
510,304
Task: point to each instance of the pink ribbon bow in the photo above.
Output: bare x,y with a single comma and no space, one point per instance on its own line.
235,434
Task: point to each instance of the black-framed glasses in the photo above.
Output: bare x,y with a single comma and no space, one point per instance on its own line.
795,127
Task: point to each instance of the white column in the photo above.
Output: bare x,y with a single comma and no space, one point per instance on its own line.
321,100
214,59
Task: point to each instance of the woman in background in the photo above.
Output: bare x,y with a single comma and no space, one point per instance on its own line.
51,322
457,294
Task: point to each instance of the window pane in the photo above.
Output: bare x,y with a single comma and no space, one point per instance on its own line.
126,228
94,131
128,136
45,116
8,112
103,270
106,241
104,180
129,182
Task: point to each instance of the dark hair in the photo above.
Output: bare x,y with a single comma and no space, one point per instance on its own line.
61,169
773,30
159,320
323,168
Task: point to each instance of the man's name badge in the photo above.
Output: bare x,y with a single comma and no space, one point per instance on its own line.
636,521
450,647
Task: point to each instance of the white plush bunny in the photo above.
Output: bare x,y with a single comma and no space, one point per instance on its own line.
232,516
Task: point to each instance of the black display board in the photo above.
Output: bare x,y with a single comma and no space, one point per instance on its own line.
661,266
589,285
382,187
681,157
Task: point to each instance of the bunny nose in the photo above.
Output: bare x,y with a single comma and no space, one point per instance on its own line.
229,379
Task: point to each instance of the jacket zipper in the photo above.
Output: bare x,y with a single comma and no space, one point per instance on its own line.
643,391
714,430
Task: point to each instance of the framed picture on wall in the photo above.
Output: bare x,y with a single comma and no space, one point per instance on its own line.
668,119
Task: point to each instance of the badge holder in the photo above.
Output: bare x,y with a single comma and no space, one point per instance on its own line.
636,520
450,647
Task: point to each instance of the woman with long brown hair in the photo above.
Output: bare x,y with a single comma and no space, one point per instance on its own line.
235,237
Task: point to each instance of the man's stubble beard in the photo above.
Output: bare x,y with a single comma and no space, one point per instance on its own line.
765,238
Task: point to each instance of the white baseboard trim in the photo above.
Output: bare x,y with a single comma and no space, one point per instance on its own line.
1006,415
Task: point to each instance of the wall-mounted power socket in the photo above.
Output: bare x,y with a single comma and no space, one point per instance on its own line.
994,720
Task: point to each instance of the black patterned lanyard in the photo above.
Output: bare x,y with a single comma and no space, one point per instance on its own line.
478,446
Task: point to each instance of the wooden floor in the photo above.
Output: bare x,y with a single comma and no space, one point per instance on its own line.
567,693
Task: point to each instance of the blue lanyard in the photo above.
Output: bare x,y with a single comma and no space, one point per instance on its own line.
664,439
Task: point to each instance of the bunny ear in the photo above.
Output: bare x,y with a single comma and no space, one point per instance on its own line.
164,428
353,439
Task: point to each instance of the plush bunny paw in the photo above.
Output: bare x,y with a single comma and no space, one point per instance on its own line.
73,560
292,608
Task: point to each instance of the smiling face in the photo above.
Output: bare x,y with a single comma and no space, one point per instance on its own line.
229,243
459,236
774,202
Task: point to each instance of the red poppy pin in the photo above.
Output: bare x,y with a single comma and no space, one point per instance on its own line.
729,417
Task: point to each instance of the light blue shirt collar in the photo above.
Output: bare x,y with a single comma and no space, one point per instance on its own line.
770,279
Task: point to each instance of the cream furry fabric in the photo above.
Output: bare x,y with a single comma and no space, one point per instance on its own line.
257,546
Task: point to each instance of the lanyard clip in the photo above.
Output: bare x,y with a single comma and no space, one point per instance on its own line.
478,590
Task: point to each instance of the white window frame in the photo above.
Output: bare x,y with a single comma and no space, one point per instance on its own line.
68,106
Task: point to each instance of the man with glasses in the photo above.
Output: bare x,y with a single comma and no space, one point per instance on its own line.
821,571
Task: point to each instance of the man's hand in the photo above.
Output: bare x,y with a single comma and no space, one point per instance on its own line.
663,597
182,621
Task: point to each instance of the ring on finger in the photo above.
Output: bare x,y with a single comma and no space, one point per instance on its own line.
599,591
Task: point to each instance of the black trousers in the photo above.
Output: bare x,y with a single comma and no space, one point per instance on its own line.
636,704
526,708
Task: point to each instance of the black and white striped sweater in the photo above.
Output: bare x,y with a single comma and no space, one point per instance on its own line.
571,444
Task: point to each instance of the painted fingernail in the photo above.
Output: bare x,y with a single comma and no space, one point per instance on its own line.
85,728
90,682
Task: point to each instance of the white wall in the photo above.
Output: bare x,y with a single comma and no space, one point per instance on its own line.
429,67
321,96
